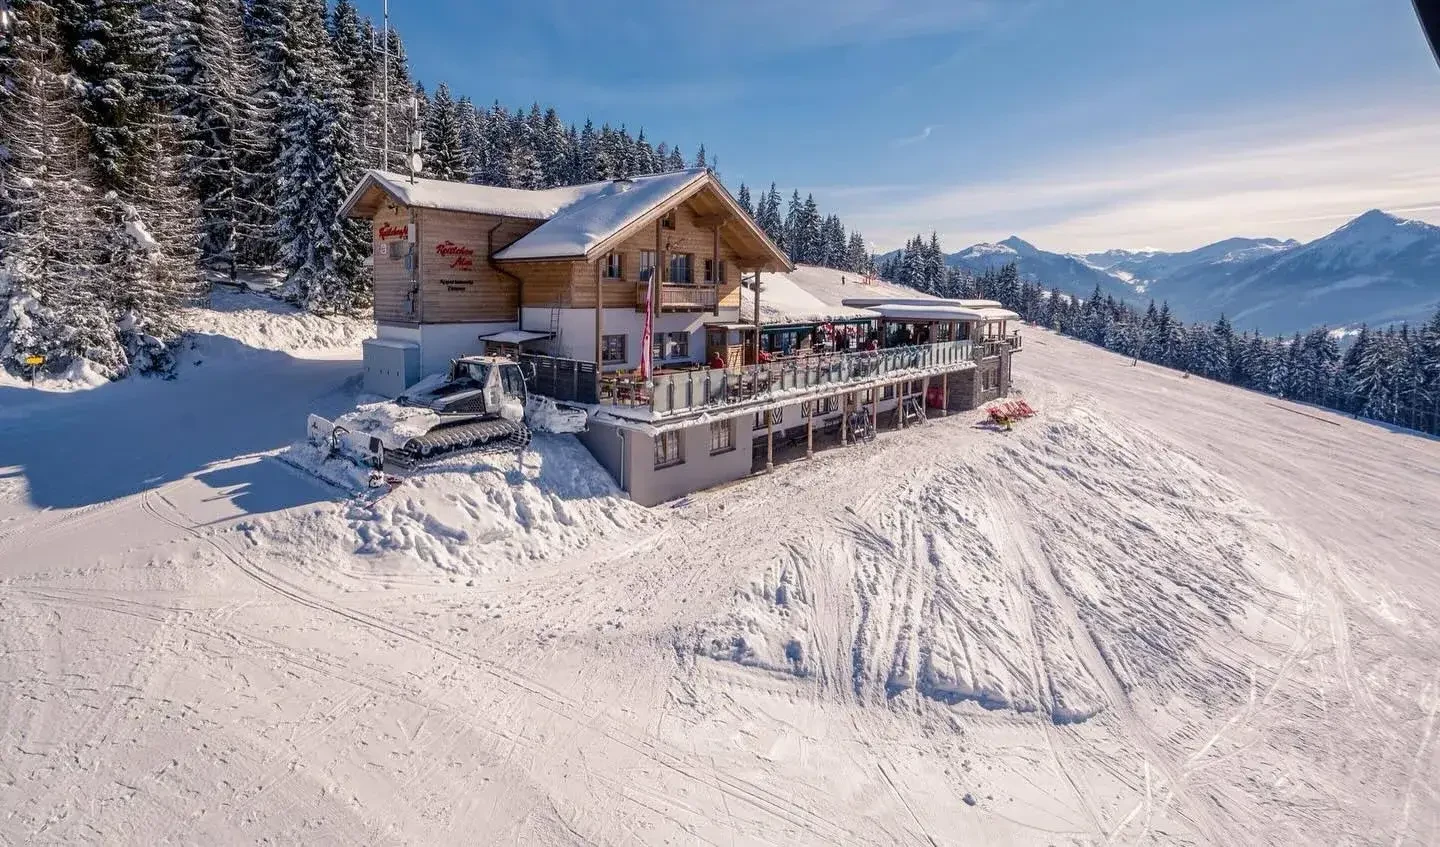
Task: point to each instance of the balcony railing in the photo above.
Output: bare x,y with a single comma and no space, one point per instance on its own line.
681,297
687,391
988,348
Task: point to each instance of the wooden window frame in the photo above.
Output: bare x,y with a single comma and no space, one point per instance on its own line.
668,220
689,259
614,266
709,272
728,427
648,258
664,458
774,416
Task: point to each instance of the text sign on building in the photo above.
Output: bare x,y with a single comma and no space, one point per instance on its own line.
460,257
389,231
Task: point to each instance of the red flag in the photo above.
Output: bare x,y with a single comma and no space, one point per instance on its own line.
648,334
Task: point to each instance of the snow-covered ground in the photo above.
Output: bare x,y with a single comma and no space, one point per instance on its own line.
1163,611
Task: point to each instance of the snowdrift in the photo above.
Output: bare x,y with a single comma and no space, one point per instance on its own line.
473,515
262,322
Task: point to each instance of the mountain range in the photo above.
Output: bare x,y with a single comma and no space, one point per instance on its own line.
1377,269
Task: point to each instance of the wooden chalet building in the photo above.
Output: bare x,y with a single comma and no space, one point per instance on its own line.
559,278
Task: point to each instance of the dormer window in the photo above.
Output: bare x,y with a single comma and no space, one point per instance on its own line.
668,221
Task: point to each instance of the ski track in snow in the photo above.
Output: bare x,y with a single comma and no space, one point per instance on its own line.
1163,611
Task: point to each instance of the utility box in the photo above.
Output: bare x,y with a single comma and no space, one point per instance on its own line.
391,366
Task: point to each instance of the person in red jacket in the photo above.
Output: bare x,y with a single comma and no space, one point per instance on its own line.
765,357
717,361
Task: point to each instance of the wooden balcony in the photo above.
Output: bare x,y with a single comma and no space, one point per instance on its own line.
681,297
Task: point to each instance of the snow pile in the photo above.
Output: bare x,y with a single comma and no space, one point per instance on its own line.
265,323
545,415
477,514
1068,567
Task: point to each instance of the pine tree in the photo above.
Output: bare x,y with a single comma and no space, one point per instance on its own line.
444,148
700,158
677,160
744,200
523,168
49,237
212,92
767,216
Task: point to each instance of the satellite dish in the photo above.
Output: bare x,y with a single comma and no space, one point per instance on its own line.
416,164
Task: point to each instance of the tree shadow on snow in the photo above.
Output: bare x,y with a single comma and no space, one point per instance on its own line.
77,449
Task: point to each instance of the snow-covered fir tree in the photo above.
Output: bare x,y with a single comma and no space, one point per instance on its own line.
444,156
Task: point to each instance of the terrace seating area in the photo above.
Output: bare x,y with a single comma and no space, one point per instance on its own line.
674,392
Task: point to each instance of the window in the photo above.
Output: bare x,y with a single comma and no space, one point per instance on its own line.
668,449
512,380
614,266
888,393
680,268
612,349
989,380
764,419
912,387
671,345
669,220
710,276
722,436
942,333
395,249
647,261
819,408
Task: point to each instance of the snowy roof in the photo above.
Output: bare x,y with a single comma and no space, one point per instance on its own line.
783,302
476,199
992,313
514,336
917,312
841,287
582,225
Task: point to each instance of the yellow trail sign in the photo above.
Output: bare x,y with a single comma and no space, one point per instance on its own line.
34,360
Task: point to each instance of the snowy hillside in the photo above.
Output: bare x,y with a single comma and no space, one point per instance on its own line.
1163,611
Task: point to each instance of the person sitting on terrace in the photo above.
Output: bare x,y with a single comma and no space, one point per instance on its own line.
903,338
765,357
717,361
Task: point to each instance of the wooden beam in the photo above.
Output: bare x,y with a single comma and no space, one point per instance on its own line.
875,409
715,269
712,221
945,394
757,316
845,419
810,431
899,405
599,327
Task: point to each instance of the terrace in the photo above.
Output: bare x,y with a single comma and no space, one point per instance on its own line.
676,394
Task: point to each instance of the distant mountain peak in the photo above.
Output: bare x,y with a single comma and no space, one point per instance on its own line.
1018,244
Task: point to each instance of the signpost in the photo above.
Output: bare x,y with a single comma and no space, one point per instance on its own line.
34,362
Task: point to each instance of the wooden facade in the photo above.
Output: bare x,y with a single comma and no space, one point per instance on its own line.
433,266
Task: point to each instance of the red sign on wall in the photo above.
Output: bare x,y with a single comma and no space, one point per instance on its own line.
389,231
461,257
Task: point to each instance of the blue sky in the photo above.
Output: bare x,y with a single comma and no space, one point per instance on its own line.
1077,124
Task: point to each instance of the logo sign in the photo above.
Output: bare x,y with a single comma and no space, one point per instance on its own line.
461,258
34,360
389,231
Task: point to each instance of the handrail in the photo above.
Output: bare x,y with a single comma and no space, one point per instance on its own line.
675,393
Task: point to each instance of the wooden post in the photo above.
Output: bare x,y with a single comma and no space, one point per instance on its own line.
659,276
875,409
810,431
845,419
599,330
899,405
769,442
715,269
945,395
757,315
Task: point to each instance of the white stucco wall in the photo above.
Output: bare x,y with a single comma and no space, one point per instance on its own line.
439,343
577,330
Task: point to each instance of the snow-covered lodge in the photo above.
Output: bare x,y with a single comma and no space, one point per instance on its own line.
752,360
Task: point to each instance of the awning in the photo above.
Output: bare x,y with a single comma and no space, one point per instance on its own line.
998,314
907,312
514,336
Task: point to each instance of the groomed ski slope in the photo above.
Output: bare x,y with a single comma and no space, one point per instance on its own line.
1164,611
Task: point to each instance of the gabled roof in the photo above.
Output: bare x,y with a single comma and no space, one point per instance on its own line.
598,222
576,229
580,221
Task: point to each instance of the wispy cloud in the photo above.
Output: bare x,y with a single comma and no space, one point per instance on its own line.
1297,177
913,139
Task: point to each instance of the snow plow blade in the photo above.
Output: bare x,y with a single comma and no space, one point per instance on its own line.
359,447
